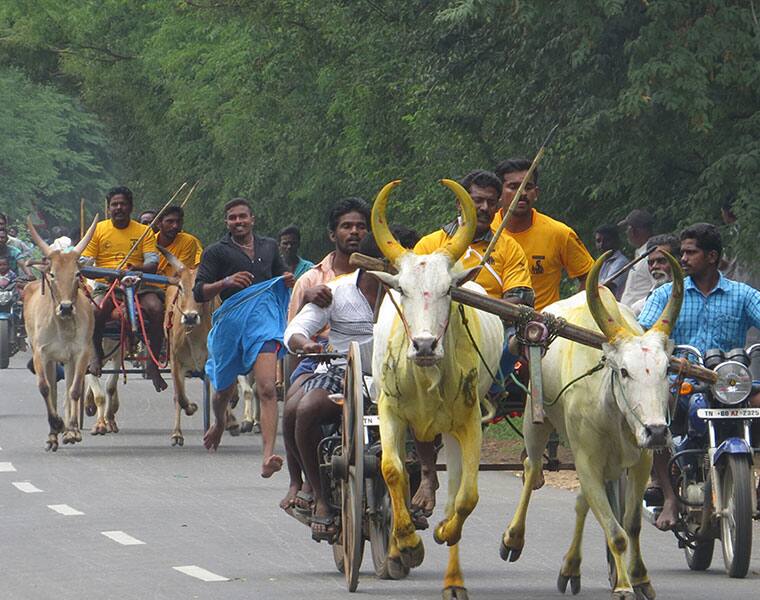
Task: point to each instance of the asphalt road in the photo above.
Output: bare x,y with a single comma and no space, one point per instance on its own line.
144,509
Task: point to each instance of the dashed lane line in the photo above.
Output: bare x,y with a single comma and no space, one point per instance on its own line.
200,573
122,538
26,487
6,467
65,509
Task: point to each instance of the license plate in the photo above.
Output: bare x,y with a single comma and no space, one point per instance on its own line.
729,413
371,421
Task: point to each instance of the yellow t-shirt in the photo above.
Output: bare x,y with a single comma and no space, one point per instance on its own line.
187,248
110,245
550,246
507,267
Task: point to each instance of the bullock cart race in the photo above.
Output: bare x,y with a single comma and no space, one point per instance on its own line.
307,299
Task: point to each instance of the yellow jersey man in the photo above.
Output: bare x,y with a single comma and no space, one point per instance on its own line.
506,274
185,246
549,245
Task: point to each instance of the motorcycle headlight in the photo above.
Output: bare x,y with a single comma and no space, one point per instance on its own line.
6,297
734,383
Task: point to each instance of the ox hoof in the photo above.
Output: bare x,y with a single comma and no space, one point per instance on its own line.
574,580
645,591
111,426
509,553
90,410
246,427
78,435
99,428
623,595
412,557
394,569
69,438
234,430
178,440
455,593
191,408
51,445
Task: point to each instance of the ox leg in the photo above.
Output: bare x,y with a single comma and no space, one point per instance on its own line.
95,391
571,564
181,402
246,391
406,549
46,384
536,437
70,407
634,494
112,393
76,391
592,484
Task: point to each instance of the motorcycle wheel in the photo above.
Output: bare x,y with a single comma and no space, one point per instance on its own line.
700,557
5,343
736,523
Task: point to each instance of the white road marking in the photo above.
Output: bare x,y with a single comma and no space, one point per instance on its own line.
199,573
122,538
6,467
65,509
26,487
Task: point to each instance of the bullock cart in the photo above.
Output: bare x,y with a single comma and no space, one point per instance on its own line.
128,328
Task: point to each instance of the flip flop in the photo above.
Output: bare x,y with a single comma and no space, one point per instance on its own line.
305,506
419,518
327,535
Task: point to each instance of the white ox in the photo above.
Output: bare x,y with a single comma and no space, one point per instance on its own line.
59,321
613,419
430,378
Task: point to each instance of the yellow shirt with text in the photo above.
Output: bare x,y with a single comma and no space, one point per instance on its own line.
507,267
109,245
549,246
187,248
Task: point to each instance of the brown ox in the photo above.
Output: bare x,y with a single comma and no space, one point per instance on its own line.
59,322
186,323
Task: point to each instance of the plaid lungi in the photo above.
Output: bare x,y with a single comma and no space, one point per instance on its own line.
330,380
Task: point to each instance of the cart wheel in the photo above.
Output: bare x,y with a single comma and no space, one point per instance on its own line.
352,487
338,556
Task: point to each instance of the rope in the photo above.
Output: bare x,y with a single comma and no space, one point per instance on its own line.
591,371
146,339
466,324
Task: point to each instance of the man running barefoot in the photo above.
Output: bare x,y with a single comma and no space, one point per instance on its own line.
244,270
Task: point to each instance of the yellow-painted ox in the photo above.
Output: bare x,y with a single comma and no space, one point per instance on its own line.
430,378
59,321
187,324
613,419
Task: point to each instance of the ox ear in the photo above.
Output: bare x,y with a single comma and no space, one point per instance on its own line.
467,275
390,280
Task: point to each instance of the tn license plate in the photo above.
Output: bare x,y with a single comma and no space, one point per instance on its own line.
371,421
728,413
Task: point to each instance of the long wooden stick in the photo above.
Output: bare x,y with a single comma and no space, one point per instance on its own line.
518,194
628,266
150,227
81,218
190,193
512,312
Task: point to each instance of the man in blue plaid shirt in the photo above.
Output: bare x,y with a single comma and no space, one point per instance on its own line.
716,313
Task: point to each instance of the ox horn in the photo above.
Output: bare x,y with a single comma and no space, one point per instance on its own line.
461,240
673,308
41,244
386,242
609,325
171,259
82,244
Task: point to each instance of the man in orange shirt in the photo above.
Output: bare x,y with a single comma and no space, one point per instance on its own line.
549,245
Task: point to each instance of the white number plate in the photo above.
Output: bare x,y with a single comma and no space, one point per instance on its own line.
371,421
729,413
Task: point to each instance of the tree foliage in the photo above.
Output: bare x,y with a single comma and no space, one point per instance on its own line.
295,103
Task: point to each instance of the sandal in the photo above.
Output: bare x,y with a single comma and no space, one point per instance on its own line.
653,496
330,532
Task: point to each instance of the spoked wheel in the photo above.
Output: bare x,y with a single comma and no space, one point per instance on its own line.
700,556
352,487
380,528
736,522
616,495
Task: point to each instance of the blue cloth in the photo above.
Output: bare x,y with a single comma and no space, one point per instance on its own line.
302,266
241,326
719,320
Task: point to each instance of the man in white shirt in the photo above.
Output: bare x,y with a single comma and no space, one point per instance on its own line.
658,265
639,225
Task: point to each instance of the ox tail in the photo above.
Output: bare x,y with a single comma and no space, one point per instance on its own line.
489,409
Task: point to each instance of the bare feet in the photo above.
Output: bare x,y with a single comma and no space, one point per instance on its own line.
289,501
271,465
213,436
424,498
155,376
668,516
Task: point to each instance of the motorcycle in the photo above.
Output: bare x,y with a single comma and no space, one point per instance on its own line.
12,333
712,464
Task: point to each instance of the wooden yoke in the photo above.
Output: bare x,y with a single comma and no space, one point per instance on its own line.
516,312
